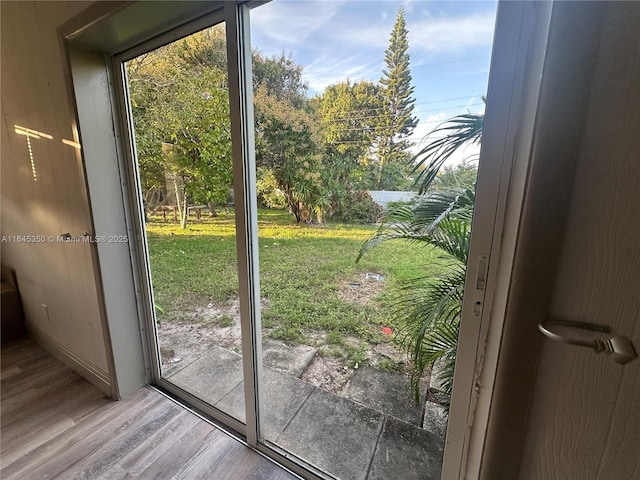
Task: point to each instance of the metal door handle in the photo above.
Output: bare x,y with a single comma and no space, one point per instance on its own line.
618,347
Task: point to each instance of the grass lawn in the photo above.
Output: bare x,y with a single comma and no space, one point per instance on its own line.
305,272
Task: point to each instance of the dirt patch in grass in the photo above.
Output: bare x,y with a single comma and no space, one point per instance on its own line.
361,289
386,353
334,365
188,335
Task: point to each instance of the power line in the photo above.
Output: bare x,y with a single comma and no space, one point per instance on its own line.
357,142
383,116
415,104
449,99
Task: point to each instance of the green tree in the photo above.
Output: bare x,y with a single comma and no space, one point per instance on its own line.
144,80
268,189
287,135
281,78
286,145
396,121
204,49
461,175
180,104
194,120
347,113
348,116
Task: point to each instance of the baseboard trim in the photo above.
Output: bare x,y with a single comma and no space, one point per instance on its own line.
96,376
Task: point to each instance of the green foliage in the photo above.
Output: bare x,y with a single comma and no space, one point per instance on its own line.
317,151
390,176
268,190
397,79
197,123
391,365
360,208
286,145
286,138
446,140
463,175
401,204
202,50
180,105
348,117
430,306
281,78
225,320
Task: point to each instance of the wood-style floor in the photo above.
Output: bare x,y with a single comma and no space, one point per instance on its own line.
56,425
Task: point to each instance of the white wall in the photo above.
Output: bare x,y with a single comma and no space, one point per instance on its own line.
384,197
59,275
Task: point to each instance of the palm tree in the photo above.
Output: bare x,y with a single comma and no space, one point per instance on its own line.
429,307
453,134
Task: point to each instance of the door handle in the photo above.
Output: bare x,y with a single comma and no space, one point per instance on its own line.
618,347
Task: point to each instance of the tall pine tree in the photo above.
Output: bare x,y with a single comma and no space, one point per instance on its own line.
397,121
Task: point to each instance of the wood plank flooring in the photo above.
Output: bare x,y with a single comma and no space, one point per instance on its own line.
56,425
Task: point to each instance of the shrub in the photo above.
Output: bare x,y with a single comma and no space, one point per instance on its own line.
400,204
269,193
360,208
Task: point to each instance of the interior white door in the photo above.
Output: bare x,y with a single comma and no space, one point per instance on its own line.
584,420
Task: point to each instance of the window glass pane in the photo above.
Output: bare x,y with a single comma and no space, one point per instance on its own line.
180,104
345,94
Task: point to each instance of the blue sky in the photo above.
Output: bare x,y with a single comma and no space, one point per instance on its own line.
449,45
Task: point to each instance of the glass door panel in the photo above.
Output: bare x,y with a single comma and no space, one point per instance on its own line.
179,100
341,108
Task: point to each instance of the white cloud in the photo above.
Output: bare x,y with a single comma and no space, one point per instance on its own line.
426,35
408,6
451,34
288,24
324,72
425,127
371,36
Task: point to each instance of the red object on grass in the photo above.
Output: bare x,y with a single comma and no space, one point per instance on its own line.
387,331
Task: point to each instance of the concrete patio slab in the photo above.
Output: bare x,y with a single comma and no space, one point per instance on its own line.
435,419
180,363
291,359
284,395
212,376
334,434
407,452
387,392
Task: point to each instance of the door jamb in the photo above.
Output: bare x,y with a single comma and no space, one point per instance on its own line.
514,85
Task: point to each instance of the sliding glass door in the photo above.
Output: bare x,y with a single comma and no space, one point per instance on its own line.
259,204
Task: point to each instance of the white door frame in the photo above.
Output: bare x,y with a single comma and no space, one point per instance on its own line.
514,85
